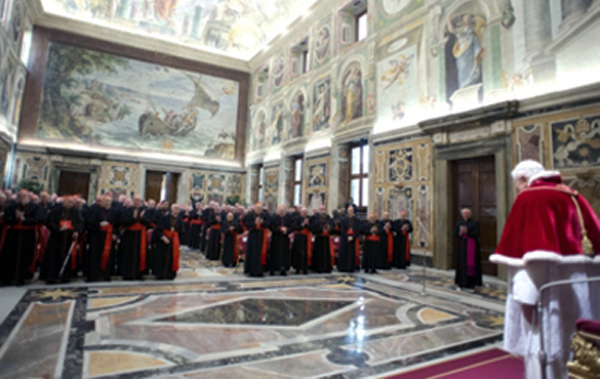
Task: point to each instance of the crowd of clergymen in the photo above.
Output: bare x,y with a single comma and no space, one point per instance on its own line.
130,238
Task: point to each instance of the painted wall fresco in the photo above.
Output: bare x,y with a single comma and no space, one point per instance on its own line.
322,104
423,60
315,182
402,181
15,22
298,114
234,27
100,99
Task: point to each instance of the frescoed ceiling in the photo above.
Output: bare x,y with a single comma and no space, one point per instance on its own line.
236,28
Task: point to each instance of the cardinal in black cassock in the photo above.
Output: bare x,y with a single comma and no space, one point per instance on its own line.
206,217
279,253
402,227
386,243
349,258
22,219
184,233
468,255
65,224
133,247
231,229
166,258
370,229
257,222
321,225
214,235
101,234
195,226
302,246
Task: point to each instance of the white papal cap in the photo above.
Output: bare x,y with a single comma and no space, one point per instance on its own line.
527,169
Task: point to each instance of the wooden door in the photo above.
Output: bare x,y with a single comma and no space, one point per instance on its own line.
72,183
474,187
154,182
172,185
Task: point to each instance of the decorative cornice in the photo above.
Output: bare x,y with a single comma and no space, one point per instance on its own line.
471,119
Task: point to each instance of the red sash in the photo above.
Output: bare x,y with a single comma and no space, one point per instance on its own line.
356,246
390,246
407,245
331,250
107,246
216,227
2,236
308,235
235,245
265,246
74,254
196,221
174,237
141,228
66,224
372,237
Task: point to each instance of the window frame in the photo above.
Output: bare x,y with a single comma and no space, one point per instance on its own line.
357,19
360,176
297,182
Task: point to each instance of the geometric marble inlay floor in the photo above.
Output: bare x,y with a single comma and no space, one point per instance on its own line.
219,324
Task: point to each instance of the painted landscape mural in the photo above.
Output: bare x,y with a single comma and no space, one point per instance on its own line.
101,99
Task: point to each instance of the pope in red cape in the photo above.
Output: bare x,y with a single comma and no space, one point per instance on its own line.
551,234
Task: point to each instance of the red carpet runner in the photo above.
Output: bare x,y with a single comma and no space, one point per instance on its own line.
488,364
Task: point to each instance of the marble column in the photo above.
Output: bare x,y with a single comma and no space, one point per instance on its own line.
253,184
287,187
538,34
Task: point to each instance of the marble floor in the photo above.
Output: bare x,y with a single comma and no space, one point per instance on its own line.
213,322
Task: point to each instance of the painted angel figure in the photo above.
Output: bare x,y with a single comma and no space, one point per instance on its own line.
397,72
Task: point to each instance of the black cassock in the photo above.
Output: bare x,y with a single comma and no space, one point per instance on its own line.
59,244
133,249
468,255
195,229
184,232
371,246
230,242
95,266
279,251
302,246
17,254
257,243
214,237
166,256
322,227
386,245
349,249
401,243
206,217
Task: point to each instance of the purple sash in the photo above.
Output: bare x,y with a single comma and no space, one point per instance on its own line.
471,247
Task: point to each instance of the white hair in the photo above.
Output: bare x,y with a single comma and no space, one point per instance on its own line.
526,169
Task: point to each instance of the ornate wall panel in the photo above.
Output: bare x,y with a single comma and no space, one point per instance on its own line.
316,181
402,180
119,178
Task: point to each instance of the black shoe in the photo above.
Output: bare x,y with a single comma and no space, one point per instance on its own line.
373,271
305,272
272,273
283,273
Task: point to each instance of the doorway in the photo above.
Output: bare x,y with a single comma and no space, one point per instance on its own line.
71,183
474,187
162,185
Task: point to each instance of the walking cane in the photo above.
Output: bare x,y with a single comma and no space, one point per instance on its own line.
67,259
